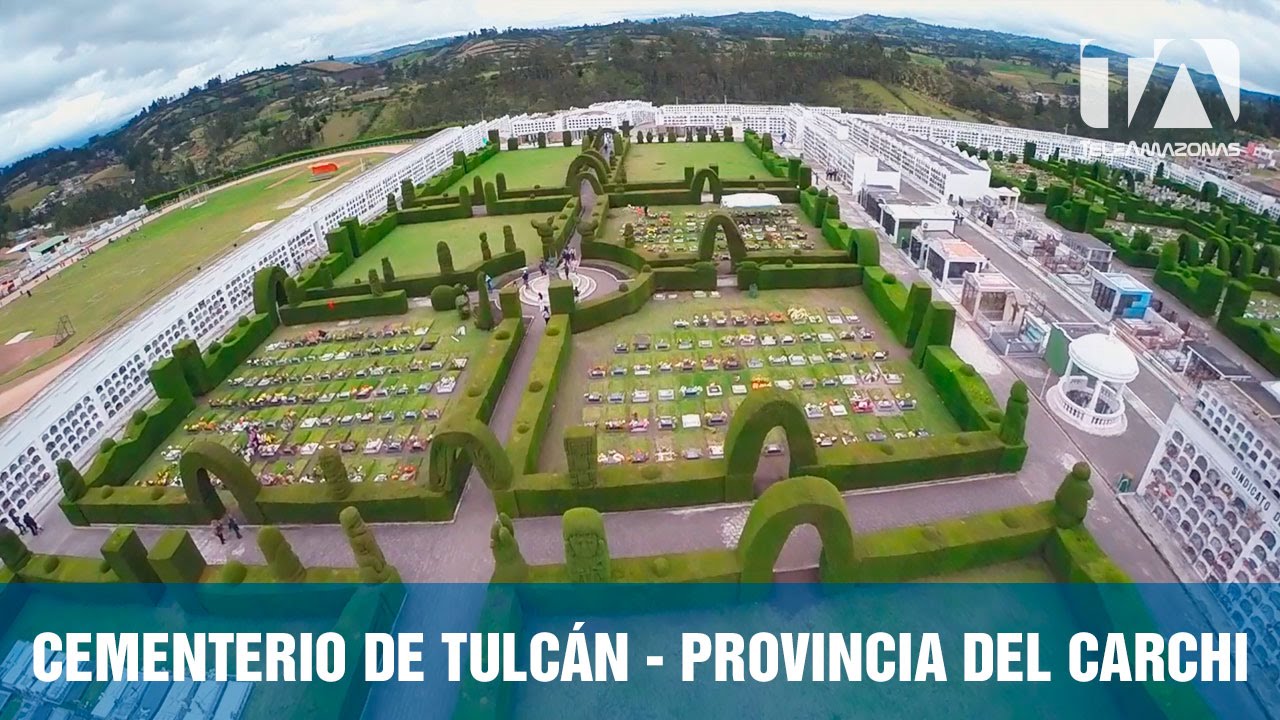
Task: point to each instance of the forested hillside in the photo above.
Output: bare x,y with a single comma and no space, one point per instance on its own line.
868,64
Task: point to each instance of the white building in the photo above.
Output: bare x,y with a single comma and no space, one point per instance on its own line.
942,170
1213,483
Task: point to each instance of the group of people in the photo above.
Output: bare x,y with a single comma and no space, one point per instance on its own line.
565,265
24,524
833,175
219,528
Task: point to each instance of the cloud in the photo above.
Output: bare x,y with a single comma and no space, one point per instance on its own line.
73,67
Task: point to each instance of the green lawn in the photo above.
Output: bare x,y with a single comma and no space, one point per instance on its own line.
864,93
525,168
113,284
412,248
661,162
28,196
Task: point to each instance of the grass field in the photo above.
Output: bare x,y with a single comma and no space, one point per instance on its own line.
525,168
27,196
864,93
660,162
674,372
412,248
112,284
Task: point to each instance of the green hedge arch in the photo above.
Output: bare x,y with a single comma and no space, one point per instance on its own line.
481,445
584,162
203,458
590,179
707,240
272,287
700,180
761,412
786,505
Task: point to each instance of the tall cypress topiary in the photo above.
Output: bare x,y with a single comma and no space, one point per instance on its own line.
375,284
334,472
444,257
13,552
484,310
629,235
281,559
509,239
373,564
542,139
1071,502
509,564
391,203
485,253
73,485
1013,427
388,272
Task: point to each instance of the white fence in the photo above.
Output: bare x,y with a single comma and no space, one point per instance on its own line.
94,397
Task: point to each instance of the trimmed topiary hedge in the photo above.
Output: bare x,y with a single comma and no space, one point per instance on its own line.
595,313
774,277
538,398
395,302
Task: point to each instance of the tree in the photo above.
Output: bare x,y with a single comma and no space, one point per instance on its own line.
1071,502
373,564
334,472
388,272
485,253
281,559
1031,184
586,547
484,309
542,139
509,239
444,257
1013,426
629,235
375,285
509,564
73,485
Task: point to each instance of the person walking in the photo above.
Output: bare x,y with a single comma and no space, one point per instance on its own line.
488,282
524,276
546,314
31,524
542,267
216,527
17,523
234,526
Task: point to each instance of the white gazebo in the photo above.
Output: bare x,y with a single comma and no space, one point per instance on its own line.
1090,395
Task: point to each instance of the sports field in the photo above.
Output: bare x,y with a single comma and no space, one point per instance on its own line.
525,168
113,284
412,248
661,162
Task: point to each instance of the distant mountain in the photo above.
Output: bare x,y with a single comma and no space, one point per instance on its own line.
868,63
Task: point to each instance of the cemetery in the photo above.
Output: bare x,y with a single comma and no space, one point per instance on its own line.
662,384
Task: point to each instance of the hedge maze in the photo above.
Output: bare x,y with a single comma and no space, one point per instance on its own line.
743,337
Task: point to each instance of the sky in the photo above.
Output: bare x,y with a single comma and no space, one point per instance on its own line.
73,68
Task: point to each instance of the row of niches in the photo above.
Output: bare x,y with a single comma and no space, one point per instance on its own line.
73,430
22,479
1252,609
1212,545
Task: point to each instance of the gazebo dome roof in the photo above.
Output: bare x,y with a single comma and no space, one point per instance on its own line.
1104,357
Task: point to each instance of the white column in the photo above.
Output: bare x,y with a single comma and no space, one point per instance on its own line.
1097,391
